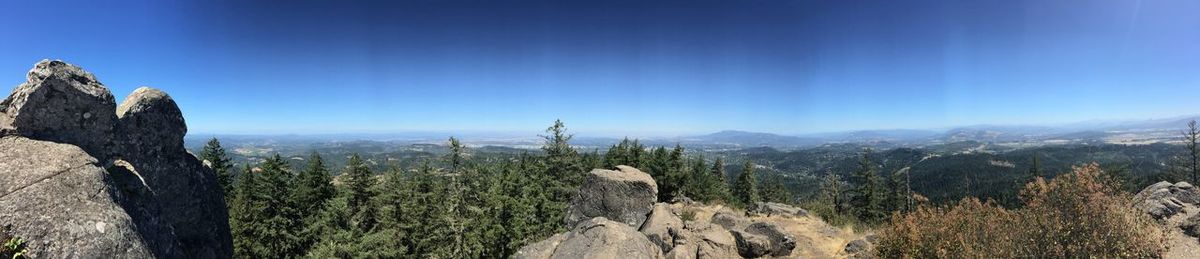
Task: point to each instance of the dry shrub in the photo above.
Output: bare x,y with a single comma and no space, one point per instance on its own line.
1075,215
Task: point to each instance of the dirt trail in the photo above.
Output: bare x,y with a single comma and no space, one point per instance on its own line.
1179,244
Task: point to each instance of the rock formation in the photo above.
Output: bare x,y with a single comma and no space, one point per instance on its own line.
1177,207
594,238
624,195
777,209
628,196
84,178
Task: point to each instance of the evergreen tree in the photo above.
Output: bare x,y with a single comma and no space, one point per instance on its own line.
898,192
359,181
867,199
675,177
216,157
244,213
773,190
562,172
314,186
745,191
718,172
1035,169
277,227
1191,140
833,193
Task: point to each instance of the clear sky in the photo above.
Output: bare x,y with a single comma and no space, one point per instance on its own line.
610,67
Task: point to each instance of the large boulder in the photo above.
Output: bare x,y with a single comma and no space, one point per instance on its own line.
1164,199
712,241
542,249
778,209
62,103
624,195
662,227
751,245
782,243
146,196
67,205
150,136
594,238
730,221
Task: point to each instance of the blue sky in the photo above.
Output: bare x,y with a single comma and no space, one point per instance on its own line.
613,68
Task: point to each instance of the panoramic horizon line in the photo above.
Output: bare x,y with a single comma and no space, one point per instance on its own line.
667,134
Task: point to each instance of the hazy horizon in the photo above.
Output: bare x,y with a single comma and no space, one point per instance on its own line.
654,68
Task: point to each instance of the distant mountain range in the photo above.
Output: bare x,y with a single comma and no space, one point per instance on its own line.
1095,131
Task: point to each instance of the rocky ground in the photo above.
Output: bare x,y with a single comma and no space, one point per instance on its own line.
615,215
1177,207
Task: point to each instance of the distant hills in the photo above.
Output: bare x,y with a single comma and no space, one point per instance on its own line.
1096,131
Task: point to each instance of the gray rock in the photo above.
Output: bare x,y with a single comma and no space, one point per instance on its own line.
542,249
594,238
1163,199
60,102
150,123
751,245
150,136
712,241
66,205
778,209
730,221
682,251
624,195
782,243
1191,226
167,203
662,227
857,246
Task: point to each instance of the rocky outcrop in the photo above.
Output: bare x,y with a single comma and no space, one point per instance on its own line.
781,242
663,227
778,209
712,241
61,103
624,195
150,137
83,178
1164,199
629,195
65,204
594,238
730,221
1177,207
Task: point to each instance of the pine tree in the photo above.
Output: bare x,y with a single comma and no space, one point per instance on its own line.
1035,169
744,190
314,186
458,214
278,226
898,193
562,172
773,190
676,175
216,157
359,181
867,199
833,193
244,213
718,172
1191,140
